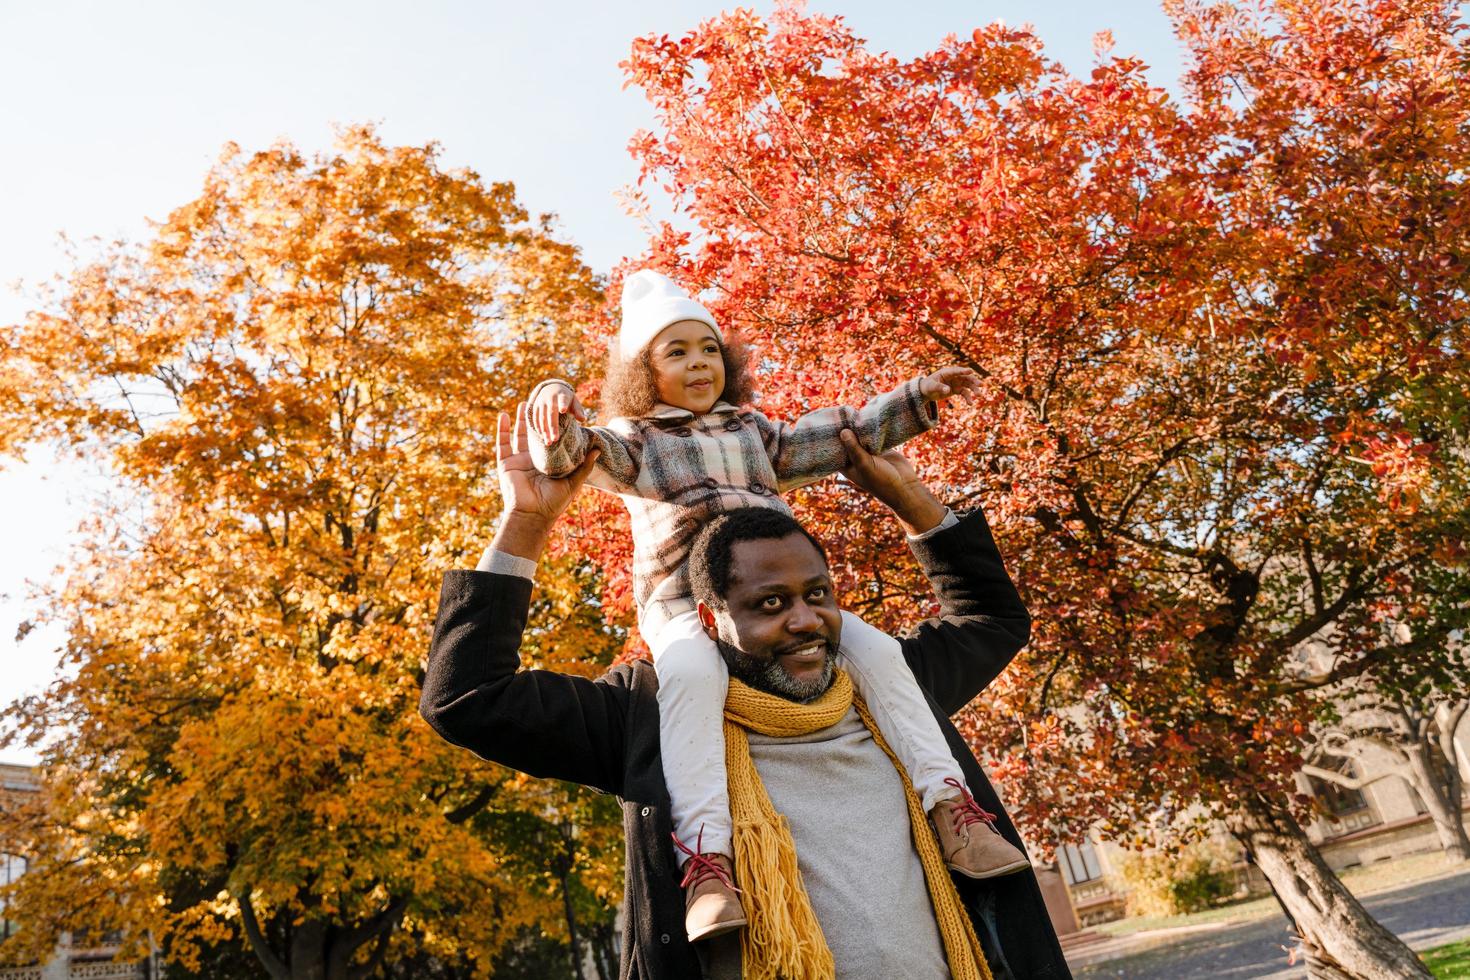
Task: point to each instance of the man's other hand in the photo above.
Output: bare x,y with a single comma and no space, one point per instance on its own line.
891,478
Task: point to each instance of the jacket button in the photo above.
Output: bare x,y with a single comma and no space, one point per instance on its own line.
733,425
647,810
682,430
664,939
757,488
710,482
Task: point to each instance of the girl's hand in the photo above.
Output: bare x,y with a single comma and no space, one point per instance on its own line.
949,381
551,403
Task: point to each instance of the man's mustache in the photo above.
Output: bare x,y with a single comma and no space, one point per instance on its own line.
805,641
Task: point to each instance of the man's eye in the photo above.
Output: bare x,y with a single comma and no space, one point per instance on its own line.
820,592
771,602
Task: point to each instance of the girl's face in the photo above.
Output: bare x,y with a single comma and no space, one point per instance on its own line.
688,368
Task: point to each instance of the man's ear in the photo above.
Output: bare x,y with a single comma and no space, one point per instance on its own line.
707,621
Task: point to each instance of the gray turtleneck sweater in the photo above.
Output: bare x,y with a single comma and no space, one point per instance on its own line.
844,801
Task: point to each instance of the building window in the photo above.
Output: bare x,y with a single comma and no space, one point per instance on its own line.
1078,863
13,868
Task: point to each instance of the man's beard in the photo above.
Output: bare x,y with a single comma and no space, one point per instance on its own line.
768,675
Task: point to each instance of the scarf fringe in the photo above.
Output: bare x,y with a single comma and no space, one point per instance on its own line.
782,938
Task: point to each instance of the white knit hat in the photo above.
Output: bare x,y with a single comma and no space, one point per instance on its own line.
652,301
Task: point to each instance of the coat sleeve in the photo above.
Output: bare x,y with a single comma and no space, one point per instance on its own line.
617,467
810,448
982,623
537,721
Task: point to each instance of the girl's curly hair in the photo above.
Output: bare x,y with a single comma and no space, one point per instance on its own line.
628,390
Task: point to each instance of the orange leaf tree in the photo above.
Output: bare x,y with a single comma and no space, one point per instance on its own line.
1223,346
293,387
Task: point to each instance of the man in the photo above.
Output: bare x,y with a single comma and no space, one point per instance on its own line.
767,601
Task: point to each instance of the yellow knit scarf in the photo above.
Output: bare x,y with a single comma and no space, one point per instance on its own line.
783,940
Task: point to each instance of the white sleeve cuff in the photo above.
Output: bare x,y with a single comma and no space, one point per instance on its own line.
949,520
504,564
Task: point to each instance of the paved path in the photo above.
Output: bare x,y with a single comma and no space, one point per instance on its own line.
1424,915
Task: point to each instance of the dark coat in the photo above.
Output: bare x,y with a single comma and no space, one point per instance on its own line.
604,733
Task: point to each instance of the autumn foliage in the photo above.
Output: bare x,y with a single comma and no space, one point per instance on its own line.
1225,413
1223,341
293,387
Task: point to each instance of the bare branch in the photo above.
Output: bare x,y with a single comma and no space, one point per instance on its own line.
1342,779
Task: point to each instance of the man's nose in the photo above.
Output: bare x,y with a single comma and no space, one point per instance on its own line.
803,619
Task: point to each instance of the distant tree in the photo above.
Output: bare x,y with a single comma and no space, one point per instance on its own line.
292,387
1410,735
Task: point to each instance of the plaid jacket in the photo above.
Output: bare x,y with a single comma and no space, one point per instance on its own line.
676,471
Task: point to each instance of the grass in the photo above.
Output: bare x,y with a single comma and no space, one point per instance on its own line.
1450,962
1360,881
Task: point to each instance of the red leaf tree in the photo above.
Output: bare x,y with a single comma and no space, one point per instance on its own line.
1223,344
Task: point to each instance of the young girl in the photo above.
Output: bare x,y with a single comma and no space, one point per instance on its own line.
680,452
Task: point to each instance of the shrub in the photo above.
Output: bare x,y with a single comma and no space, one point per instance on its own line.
1189,879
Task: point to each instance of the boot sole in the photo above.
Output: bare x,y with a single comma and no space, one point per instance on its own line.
717,929
1001,872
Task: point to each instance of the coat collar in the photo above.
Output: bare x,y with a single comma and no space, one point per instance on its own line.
669,413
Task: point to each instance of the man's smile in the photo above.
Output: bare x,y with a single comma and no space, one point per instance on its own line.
811,652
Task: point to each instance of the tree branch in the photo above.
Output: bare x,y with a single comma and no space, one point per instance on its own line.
1357,587
380,949
1366,662
463,812
258,944
1342,779
383,922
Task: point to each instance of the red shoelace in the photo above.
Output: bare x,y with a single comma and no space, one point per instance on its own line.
968,812
701,868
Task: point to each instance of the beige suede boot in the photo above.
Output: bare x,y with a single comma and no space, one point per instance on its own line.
711,900
969,841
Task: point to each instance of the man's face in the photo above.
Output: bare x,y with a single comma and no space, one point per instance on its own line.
780,629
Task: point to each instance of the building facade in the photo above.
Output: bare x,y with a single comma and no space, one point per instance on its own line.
76,957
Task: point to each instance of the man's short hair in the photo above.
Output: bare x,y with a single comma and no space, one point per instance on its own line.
709,555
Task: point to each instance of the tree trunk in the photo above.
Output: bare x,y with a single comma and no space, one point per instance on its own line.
604,954
319,950
1341,941
564,873
1440,800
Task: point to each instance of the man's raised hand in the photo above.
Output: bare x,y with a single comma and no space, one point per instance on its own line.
551,403
525,491
891,478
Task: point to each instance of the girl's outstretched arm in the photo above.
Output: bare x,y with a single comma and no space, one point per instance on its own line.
810,448
558,449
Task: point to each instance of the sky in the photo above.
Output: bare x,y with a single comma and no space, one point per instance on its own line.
113,113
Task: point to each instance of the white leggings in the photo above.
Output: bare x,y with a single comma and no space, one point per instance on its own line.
692,682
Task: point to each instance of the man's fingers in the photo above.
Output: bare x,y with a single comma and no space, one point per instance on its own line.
578,410
518,442
856,454
502,437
